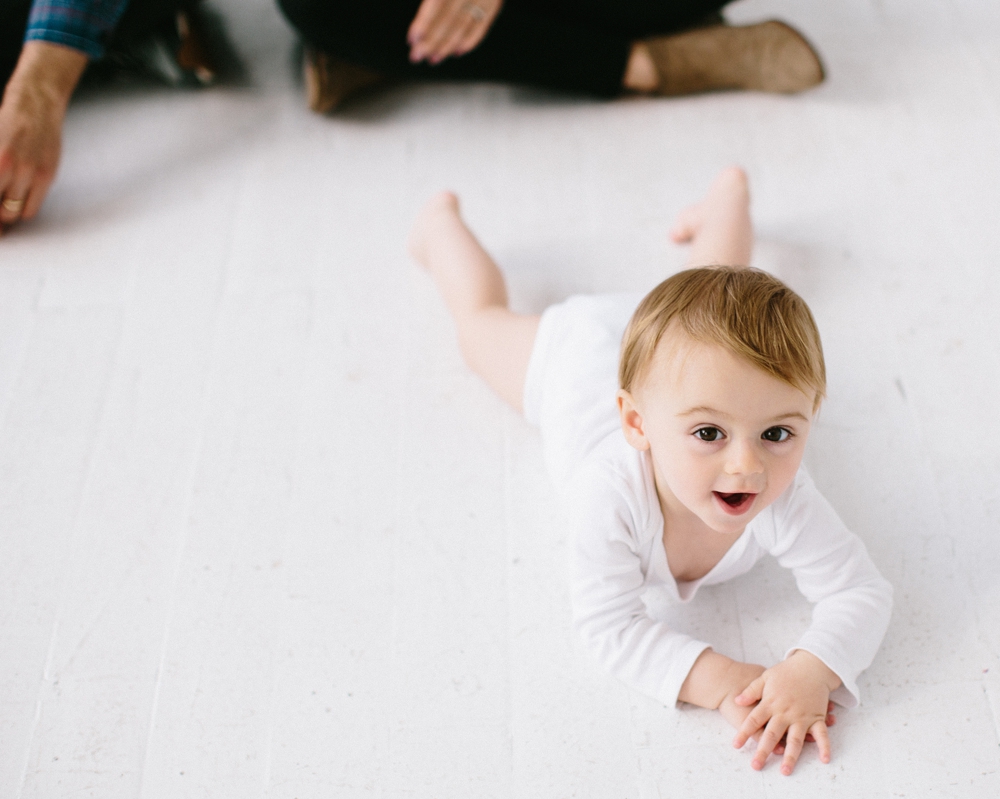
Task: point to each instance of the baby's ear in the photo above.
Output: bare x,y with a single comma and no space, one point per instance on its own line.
632,424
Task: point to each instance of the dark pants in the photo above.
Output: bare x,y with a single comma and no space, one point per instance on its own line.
140,18
568,45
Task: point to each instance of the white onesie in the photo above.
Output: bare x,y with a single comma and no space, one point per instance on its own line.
609,497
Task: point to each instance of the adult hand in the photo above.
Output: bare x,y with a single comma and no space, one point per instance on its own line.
31,119
445,28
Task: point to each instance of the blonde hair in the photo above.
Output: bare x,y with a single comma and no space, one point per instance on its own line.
748,312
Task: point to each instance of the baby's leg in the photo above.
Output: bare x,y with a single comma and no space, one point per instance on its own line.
719,227
495,341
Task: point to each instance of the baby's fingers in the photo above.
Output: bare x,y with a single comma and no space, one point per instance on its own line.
752,693
830,721
793,748
768,741
822,737
751,725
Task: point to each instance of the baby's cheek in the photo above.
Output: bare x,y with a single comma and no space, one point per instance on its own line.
693,489
778,484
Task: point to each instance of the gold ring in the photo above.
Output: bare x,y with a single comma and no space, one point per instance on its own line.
14,206
474,11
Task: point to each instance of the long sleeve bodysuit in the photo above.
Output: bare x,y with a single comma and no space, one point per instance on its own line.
616,527
618,555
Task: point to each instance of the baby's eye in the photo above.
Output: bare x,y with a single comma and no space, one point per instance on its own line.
708,433
776,434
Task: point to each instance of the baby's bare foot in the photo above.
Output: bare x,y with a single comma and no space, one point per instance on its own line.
438,211
728,194
718,228
687,224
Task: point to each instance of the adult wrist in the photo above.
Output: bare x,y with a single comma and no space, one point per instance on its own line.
49,71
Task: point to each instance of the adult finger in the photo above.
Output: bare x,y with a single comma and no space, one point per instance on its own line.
819,732
472,38
793,748
435,32
6,172
15,194
36,195
452,45
426,14
447,31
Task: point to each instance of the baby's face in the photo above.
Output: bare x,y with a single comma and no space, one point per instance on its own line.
726,438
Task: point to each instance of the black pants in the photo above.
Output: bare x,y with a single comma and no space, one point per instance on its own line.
140,18
568,45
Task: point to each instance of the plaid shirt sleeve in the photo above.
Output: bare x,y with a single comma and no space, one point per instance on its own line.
81,24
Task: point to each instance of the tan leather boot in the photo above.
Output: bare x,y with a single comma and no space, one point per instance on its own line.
329,80
193,52
767,57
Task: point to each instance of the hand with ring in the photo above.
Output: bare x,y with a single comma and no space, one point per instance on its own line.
444,28
31,119
10,212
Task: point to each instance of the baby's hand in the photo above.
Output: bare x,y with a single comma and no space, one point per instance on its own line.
792,701
736,714
739,676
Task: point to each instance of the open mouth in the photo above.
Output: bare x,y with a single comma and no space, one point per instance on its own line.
735,503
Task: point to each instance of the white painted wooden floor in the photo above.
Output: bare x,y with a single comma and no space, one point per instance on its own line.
263,535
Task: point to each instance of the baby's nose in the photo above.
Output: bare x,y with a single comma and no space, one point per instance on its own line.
744,459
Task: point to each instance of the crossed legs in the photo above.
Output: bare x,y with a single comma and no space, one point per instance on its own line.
495,341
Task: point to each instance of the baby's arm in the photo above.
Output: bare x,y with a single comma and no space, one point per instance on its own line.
852,604
792,701
609,613
715,681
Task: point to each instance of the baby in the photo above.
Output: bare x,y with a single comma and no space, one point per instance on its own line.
694,475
